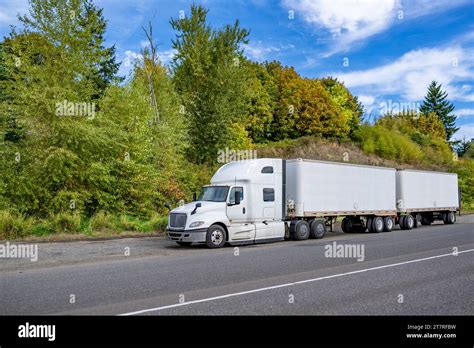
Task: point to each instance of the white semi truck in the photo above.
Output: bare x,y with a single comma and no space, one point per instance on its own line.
267,199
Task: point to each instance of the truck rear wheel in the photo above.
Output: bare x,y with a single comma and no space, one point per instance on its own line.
407,222
377,224
370,224
215,237
317,229
449,218
347,226
387,224
301,230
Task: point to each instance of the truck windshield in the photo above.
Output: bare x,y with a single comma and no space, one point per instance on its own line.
214,193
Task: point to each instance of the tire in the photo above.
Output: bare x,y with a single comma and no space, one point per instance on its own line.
401,222
377,224
450,218
388,224
184,244
347,225
215,237
426,220
301,230
444,217
317,229
370,221
409,222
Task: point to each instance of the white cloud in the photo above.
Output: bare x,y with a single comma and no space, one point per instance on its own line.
351,22
260,51
347,21
410,75
465,130
9,11
367,100
166,56
130,58
464,112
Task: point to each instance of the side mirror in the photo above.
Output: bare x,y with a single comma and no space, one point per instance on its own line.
167,205
198,205
194,197
237,197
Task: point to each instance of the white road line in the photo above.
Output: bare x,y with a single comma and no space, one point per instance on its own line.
289,284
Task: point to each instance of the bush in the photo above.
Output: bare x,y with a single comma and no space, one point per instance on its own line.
388,144
102,221
127,223
13,226
65,222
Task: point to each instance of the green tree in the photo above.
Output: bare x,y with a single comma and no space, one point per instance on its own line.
436,101
76,26
210,78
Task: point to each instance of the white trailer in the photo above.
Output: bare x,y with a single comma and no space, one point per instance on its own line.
269,199
427,196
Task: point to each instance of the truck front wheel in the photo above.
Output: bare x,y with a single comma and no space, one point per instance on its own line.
215,237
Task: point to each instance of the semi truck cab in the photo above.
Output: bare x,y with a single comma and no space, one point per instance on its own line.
243,204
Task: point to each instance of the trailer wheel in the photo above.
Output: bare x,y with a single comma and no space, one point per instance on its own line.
301,230
215,237
377,224
387,224
449,218
317,229
370,224
407,222
347,226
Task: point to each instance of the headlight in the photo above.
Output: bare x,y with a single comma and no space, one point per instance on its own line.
196,224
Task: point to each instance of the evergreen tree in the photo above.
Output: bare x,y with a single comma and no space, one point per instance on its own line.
436,101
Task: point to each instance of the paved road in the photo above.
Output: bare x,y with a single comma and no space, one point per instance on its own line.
402,272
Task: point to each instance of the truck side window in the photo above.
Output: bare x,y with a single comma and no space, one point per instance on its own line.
268,195
267,170
232,194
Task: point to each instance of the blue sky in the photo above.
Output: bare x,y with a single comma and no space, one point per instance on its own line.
385,51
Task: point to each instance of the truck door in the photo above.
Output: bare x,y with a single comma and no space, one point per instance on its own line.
237,212
240,228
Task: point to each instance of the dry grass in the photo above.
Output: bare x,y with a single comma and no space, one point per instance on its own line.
326,150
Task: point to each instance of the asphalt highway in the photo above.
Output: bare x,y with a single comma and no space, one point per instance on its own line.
424,271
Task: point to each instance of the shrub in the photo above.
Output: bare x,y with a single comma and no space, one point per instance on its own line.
13,225
102,221
65,222
127,223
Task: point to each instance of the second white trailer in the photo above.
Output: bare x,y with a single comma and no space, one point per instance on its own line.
427,196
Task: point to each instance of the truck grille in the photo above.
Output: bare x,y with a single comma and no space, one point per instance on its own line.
177,220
